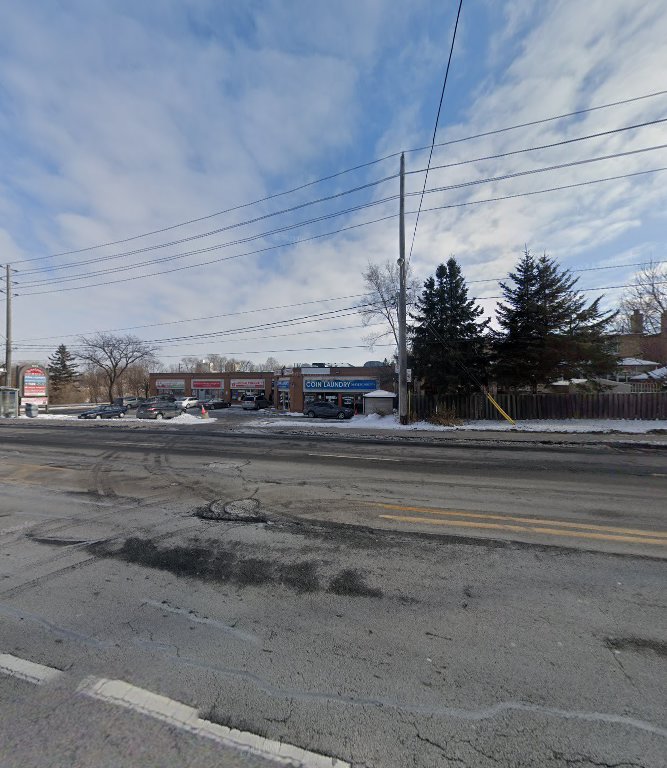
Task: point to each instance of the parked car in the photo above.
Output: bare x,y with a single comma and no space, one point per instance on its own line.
215,405
323,409
160,399
254,403
187,402
159,410
104,412
129,402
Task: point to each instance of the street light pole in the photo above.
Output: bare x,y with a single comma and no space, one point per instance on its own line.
402,319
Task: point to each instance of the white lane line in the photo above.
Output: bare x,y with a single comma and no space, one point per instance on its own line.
186,718
348,456
34,673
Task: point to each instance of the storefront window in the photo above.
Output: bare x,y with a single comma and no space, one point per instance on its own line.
239,394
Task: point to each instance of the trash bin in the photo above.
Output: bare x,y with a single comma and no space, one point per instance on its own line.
31,410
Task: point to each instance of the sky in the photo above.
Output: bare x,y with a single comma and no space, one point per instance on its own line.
120,119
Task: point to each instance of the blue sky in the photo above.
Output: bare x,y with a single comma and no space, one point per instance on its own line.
121,118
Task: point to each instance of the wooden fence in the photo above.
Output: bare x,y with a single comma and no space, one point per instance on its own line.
643,405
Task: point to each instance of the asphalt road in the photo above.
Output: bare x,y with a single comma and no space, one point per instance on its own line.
383,603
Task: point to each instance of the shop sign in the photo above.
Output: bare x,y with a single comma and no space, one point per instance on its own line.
339,385
170,384
34,383
207,384
247,384
283,384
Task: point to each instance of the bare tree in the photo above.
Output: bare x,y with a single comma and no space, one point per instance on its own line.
380,302
190,365
648,294
112,355
93,383
271,364
135,380
216,362
232,365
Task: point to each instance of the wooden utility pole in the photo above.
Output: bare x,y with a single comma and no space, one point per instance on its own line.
402,319
8,327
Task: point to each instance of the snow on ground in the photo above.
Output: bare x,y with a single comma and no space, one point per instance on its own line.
185,418
374,421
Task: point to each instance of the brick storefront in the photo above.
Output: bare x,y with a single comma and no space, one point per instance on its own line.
290,390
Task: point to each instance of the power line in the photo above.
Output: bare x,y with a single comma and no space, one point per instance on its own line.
113,257
551,145
471,137
318,317
236,225
216,336
204,317
435,128
545,169
240,338
303,349
124,254
460,185
304,319
584,269
582,290
314,301
352,227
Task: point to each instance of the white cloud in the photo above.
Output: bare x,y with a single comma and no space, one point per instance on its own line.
122,124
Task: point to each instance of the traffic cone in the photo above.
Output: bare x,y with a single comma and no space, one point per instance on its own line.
204,413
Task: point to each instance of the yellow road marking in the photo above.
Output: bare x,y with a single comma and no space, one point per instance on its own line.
516,519
524,529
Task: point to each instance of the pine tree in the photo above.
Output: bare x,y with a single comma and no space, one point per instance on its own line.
448,345
62,369
547,331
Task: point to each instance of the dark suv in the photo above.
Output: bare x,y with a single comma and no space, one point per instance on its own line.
160,409
326,410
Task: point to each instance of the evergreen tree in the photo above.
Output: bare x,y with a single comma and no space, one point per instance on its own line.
547,330
62,369
448,338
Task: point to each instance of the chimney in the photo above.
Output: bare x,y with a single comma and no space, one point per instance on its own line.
637,322
663,322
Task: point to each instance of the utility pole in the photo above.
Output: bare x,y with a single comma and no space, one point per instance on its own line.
8,327
402,320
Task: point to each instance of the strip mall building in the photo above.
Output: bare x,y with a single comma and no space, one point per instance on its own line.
291,389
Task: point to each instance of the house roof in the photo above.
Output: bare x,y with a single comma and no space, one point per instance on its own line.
380,393
635,361
658,375
567,382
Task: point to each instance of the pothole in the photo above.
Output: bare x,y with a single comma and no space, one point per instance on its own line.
241,511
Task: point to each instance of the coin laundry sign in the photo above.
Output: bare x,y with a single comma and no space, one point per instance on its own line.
339,385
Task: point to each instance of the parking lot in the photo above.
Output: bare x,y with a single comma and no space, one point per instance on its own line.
234,416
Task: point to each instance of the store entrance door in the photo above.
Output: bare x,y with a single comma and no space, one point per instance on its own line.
356,402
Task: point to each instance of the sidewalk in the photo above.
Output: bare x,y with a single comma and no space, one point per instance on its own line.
651,434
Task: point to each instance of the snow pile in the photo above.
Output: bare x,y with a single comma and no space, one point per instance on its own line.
51,416
185,418
375,421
